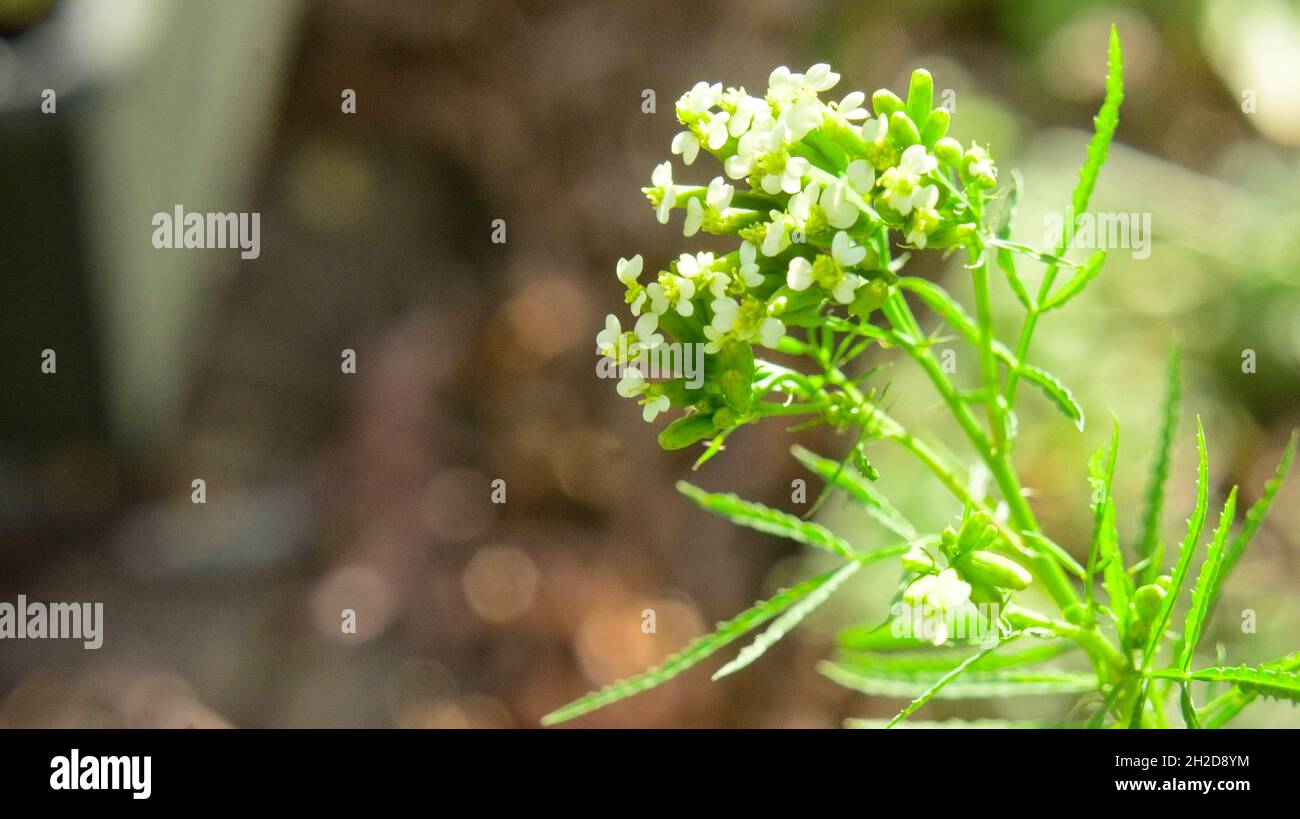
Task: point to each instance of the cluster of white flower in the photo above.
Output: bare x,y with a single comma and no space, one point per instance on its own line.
812,189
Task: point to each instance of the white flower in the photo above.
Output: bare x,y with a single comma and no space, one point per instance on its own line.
900,183
800,118
716,131
850,107
749,272
750,111
800,205
674,291
821,78
631,384
724,314
650,407
800,274
694,217
844,289
775,238
840,212
644,331
607,339
845,251
700,98
790,180
719,194
861,175
662,179
688,145
628,270
874,130
917,161
771,331
694,267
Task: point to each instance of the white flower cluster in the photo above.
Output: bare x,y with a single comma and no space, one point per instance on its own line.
809,187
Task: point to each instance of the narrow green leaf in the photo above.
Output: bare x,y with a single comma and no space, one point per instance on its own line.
1104,125
1268,682
1207,583
699,649
974,685
938,685
1056,391
766,519
1077,282
792,617
939,661
860,489
1220,712
1155,497
1194,526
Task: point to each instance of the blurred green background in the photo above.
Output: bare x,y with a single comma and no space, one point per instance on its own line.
371,491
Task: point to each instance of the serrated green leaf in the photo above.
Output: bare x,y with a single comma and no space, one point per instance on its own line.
1268,682
766,519
859,489
1104,125
1056,391
698,649
937,686
1207,583
792,617
973,685
1195,524
1091,268
1118,583
1155,495
1220,712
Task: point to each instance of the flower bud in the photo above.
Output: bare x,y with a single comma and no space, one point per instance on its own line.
686,430
982,566
948,151
1147,601
920,96
886,102
902,131
936,125
919,560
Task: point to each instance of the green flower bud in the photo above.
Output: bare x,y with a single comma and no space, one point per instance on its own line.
948,151
686,430
902,131
886,102
936,125
920,96
1163,581
980,566
1147,601
919,560
869,298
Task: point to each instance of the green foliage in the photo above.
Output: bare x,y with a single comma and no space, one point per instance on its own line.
768,520
1150,536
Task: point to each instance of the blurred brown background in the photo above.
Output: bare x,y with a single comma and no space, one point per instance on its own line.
371,491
